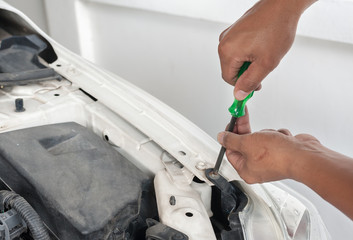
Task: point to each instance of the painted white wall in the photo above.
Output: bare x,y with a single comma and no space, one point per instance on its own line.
175,59
330,13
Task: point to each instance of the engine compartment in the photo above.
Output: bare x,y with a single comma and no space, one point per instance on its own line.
86,171
82,188
79,185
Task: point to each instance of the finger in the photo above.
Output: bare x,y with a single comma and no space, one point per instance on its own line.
250,80
230,141
243,123
285,131
259,87
235,158
306,137
268,130
230,68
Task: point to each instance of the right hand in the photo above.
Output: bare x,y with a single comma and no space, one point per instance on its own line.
262,36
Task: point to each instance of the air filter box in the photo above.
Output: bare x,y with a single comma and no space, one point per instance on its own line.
80,186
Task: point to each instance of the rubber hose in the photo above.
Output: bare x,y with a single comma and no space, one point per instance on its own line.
34,223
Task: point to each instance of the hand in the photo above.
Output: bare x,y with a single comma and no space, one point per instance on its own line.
242,125
262,36
271,155
267,155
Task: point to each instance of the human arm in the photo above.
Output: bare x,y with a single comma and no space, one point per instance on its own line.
262,36
274,155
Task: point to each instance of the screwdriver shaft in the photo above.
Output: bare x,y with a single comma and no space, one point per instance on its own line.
223,149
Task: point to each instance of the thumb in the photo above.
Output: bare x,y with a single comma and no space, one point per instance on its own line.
250,80
230,141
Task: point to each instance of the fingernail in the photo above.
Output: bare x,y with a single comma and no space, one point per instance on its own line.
241,95
220,137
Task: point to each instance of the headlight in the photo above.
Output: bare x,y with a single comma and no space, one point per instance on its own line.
296,217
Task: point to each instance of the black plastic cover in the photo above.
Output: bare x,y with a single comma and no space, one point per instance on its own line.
80,186
11,24
159,231
232,200
19,61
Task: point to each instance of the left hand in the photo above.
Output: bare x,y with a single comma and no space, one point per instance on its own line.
267,155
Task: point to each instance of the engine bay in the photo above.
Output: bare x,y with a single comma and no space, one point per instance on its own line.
70,168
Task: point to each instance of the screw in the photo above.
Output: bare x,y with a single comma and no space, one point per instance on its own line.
200,166
172,200
213,174
19,105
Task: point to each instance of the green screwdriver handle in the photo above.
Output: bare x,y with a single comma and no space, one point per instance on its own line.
238,107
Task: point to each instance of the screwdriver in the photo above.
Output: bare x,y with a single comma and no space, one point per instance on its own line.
236,110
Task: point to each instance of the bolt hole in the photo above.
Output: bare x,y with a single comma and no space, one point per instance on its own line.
56,94
182,153
106,138
197,180
189,214
58,65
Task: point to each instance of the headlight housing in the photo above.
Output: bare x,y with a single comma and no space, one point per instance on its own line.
289,215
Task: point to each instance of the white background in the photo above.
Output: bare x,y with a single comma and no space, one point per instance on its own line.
169,48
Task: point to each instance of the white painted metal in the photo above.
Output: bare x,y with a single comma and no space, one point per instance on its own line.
205,192
188,214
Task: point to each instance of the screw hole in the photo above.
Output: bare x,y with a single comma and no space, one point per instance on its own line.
56,94
197,180
58,65
106,138
189,214
182,153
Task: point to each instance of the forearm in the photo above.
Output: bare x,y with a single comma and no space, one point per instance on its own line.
292,7
300,5
330,174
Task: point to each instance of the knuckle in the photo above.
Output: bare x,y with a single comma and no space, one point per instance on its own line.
302,135
307,137
227,79
249,180
284,131
225,48
260,180
221,48
270,63
221,36
252,177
